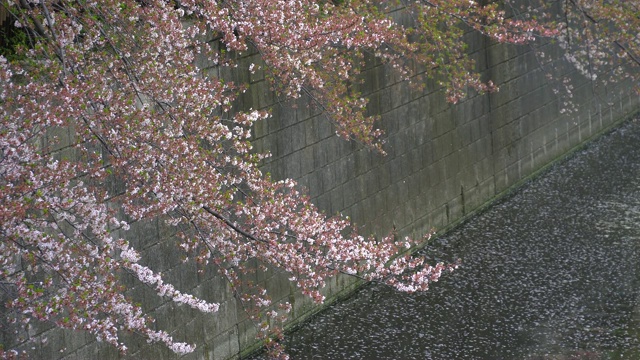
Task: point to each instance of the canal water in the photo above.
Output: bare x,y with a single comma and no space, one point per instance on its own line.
552,272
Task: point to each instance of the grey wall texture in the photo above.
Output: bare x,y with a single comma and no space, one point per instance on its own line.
444,161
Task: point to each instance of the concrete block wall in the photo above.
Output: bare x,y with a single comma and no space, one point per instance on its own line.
443,162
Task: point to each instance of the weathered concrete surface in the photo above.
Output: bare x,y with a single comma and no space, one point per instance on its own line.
443,162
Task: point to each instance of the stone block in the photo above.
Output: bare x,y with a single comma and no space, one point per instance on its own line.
298,135
443,123
442,146
385,100
451,165
226,345
323,202
337,200
362,162
360,188
405,166
349,193
188,276
320,155
247,333
278,287
306,160
455,209
311,133
427,153
372,182
498,53
356,214
316,187
402,191
143,234
341,171
514,172
438,217
96,351
292,165
420,133
465,134
333,149
373,79
328,177
399,95
437,104
415,160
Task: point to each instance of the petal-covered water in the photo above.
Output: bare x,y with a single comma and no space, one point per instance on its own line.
549,273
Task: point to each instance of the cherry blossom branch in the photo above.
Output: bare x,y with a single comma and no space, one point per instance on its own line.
232,225
626,51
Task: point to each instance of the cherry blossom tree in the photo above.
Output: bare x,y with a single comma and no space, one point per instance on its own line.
599,39
110,92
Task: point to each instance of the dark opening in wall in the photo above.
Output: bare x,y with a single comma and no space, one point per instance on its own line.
10,36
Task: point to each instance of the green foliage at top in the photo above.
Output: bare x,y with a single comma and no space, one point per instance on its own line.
13,41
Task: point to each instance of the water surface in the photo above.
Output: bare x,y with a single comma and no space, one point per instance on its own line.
549,273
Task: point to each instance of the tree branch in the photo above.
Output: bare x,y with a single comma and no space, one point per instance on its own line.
232,225
629,53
